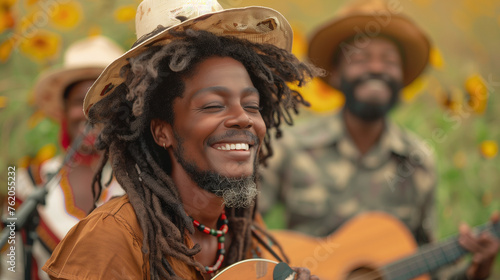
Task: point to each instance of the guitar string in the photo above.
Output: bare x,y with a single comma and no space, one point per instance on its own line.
377,274
384,273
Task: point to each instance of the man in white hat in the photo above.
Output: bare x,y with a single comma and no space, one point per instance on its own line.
184,117
335,168
59,93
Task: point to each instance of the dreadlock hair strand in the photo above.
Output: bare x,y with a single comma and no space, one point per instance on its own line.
153,80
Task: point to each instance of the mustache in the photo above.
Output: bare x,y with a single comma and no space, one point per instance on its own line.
392,83
232,133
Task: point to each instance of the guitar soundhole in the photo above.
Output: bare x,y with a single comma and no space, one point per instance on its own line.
364,273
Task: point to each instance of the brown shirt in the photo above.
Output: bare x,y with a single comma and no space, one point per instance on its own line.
107,245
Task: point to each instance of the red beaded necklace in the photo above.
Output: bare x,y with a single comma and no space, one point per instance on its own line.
220,235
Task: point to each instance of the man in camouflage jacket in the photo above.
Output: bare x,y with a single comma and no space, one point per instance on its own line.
328,170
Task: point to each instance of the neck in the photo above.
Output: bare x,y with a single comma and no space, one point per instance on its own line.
364,134
198,203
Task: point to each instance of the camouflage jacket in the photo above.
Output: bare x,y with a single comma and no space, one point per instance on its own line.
323,181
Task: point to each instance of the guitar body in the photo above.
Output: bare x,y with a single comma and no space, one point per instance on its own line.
261,269
358,250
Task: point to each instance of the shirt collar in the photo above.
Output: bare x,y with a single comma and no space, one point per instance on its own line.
329,130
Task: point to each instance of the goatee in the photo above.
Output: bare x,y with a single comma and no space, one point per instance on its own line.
236,192
369,111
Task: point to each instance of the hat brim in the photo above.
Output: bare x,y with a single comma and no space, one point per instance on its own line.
273,29
414,43
50,87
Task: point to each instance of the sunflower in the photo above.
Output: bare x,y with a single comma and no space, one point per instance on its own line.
125,13
414,89
67,16
41,46
321,96
478,93
7,20
488,149
30,3
436,58
6,48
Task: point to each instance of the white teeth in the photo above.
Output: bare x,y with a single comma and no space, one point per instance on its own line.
239,146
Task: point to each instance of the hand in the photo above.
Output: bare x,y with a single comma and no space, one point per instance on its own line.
304,274
484,248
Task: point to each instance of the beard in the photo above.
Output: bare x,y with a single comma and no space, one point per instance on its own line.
239,192
367,110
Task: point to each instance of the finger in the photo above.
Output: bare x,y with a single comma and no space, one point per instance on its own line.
464,228
490,245
302,273
469,242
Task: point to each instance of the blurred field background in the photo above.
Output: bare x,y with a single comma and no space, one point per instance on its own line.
454,106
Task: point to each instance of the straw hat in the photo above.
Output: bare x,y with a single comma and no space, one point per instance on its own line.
256,24
367,19
83,60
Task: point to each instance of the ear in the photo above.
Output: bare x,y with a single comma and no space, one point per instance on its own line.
162,133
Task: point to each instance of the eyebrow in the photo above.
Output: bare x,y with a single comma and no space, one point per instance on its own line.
225,90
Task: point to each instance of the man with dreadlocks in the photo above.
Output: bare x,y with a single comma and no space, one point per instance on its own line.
184,115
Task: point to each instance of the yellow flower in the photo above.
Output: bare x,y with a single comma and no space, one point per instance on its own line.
7,3
67,16
35,119
478,93
7,20
6,50
125,13
489,149
414,89
436,58
46,152
24,162
42,46
321,96
30,3
3,101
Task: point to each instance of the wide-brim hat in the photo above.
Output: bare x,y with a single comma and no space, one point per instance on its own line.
362,20
257,24
83,60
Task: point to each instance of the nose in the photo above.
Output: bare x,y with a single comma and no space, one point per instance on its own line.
376,65
238,118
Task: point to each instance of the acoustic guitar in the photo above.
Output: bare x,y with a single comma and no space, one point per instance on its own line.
261,269
371,246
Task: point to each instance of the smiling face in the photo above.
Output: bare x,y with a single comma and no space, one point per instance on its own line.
217,125
73,113
371,78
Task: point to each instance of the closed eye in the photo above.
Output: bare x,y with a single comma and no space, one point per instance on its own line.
253,109
211,108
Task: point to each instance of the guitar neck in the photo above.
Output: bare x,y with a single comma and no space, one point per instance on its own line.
431,257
